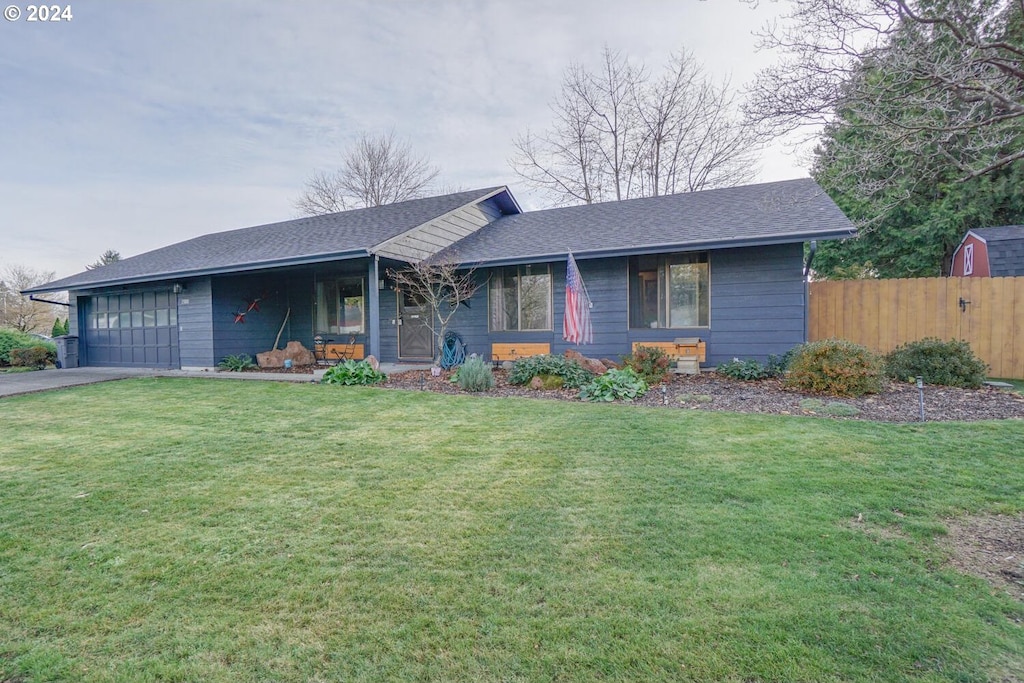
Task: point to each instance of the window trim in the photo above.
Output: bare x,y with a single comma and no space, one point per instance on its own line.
497,274
664,304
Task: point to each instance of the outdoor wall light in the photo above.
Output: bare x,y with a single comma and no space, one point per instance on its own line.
178,289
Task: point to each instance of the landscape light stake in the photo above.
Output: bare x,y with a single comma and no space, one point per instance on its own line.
920,393
664,395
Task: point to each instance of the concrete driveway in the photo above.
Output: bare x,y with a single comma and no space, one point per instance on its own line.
12,384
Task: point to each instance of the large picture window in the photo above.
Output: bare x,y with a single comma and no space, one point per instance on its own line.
520,298
669,291
339,306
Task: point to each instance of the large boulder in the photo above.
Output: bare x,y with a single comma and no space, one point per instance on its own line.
293,351
592,364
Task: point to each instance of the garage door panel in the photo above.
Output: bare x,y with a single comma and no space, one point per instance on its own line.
131,329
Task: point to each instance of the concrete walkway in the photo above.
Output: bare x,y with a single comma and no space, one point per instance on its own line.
13,384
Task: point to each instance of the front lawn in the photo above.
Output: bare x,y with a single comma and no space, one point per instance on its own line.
186,530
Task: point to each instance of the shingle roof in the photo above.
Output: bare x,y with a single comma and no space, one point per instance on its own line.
1005,249
786,211
317,238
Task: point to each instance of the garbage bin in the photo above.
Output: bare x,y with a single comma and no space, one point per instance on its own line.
67,351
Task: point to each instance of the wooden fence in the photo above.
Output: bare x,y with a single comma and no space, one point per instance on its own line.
987,312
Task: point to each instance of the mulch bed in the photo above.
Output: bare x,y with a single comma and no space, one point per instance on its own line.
898,402
709,391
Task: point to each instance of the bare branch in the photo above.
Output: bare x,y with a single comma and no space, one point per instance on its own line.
442,285
619,133
941,81
377,170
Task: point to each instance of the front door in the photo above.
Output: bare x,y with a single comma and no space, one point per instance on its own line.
415,339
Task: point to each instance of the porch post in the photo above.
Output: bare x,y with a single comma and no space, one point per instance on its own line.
374,306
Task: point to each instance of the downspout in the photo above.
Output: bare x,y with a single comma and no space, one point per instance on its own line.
807,287
33,297
373,333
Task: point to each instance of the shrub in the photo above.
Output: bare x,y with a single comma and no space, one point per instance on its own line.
651,364
777,366
835,366
236,363
950,364
33,357
474,375
15,339
742,369
525,369
615,384
353,372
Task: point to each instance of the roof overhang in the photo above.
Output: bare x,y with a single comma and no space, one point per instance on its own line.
693,245
202,272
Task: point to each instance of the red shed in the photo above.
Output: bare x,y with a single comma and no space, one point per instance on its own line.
990,252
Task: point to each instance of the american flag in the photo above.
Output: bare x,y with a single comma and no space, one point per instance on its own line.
576,327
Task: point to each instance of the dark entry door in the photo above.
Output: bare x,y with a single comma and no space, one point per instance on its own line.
415,340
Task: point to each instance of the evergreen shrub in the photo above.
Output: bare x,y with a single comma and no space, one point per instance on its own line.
835,366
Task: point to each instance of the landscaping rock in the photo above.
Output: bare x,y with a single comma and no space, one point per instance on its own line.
610,364
372,360
573,354
592,364
294,351
536,384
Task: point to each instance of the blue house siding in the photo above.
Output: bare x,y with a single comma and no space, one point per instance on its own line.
757,308
195,324
258,329
757,302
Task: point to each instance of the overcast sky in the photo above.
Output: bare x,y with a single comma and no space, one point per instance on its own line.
140,123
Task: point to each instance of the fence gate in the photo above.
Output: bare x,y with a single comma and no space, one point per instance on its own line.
988,313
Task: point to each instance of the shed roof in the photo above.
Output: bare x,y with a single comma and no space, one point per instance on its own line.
768,213
1005,249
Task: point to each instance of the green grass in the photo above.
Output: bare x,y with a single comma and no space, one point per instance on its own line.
186,530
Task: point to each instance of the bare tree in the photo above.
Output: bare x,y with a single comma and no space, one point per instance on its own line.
19,311
376,170
443,286
939,82
619,134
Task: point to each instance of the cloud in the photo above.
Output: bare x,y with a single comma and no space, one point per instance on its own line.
142,123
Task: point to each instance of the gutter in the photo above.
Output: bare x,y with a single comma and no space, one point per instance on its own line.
221,270
665,248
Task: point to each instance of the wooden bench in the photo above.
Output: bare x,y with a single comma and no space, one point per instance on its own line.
330,352
344,351
687,352
503,352
684,347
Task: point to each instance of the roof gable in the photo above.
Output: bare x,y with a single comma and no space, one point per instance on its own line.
314,239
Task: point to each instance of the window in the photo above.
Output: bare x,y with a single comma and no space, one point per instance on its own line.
520,298
339,306
669,291
135,311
